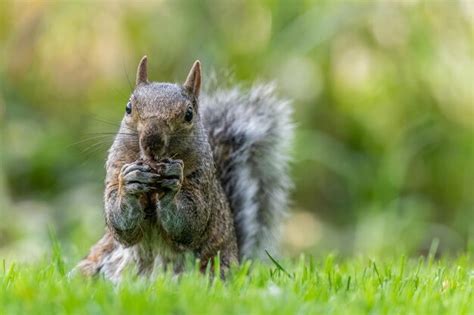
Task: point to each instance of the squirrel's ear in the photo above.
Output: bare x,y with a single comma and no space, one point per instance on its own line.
193,81
142,72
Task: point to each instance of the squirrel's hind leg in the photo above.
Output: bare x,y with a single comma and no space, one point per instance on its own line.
107,257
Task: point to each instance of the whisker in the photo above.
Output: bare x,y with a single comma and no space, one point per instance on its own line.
98,118
115,124
92,147
96,137
128,78
112,133
111,123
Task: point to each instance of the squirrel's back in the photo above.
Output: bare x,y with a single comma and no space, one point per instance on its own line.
250,133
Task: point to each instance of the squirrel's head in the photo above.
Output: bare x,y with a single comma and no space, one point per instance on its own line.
164,115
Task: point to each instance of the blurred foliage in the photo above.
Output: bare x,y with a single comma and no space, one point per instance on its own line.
383,98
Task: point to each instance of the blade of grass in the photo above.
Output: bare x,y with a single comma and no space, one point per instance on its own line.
278,265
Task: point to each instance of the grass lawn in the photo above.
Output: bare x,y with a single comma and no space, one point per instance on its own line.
306,286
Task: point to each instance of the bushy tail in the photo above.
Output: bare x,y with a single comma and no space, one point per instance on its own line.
250,132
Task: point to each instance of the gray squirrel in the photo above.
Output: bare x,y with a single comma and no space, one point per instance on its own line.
194,173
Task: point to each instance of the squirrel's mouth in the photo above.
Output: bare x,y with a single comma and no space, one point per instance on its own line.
153,145
152,155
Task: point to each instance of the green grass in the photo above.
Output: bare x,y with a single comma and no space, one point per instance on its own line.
306,286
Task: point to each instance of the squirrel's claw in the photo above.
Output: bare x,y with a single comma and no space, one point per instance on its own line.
138,178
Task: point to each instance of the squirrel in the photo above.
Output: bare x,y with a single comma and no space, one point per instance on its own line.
205,175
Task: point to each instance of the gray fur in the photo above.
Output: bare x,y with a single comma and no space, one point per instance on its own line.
236,160
250,133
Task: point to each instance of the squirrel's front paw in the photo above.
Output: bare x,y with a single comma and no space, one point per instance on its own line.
137,178
171,172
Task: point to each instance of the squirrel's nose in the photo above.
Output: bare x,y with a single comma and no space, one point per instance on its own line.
152,145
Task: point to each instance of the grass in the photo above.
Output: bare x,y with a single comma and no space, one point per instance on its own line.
306,286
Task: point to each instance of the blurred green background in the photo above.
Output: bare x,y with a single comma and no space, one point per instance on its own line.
383,99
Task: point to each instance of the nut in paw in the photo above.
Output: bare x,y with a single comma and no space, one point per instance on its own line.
171,174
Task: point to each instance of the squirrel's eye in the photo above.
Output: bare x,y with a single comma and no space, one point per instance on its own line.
128,108
189,114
